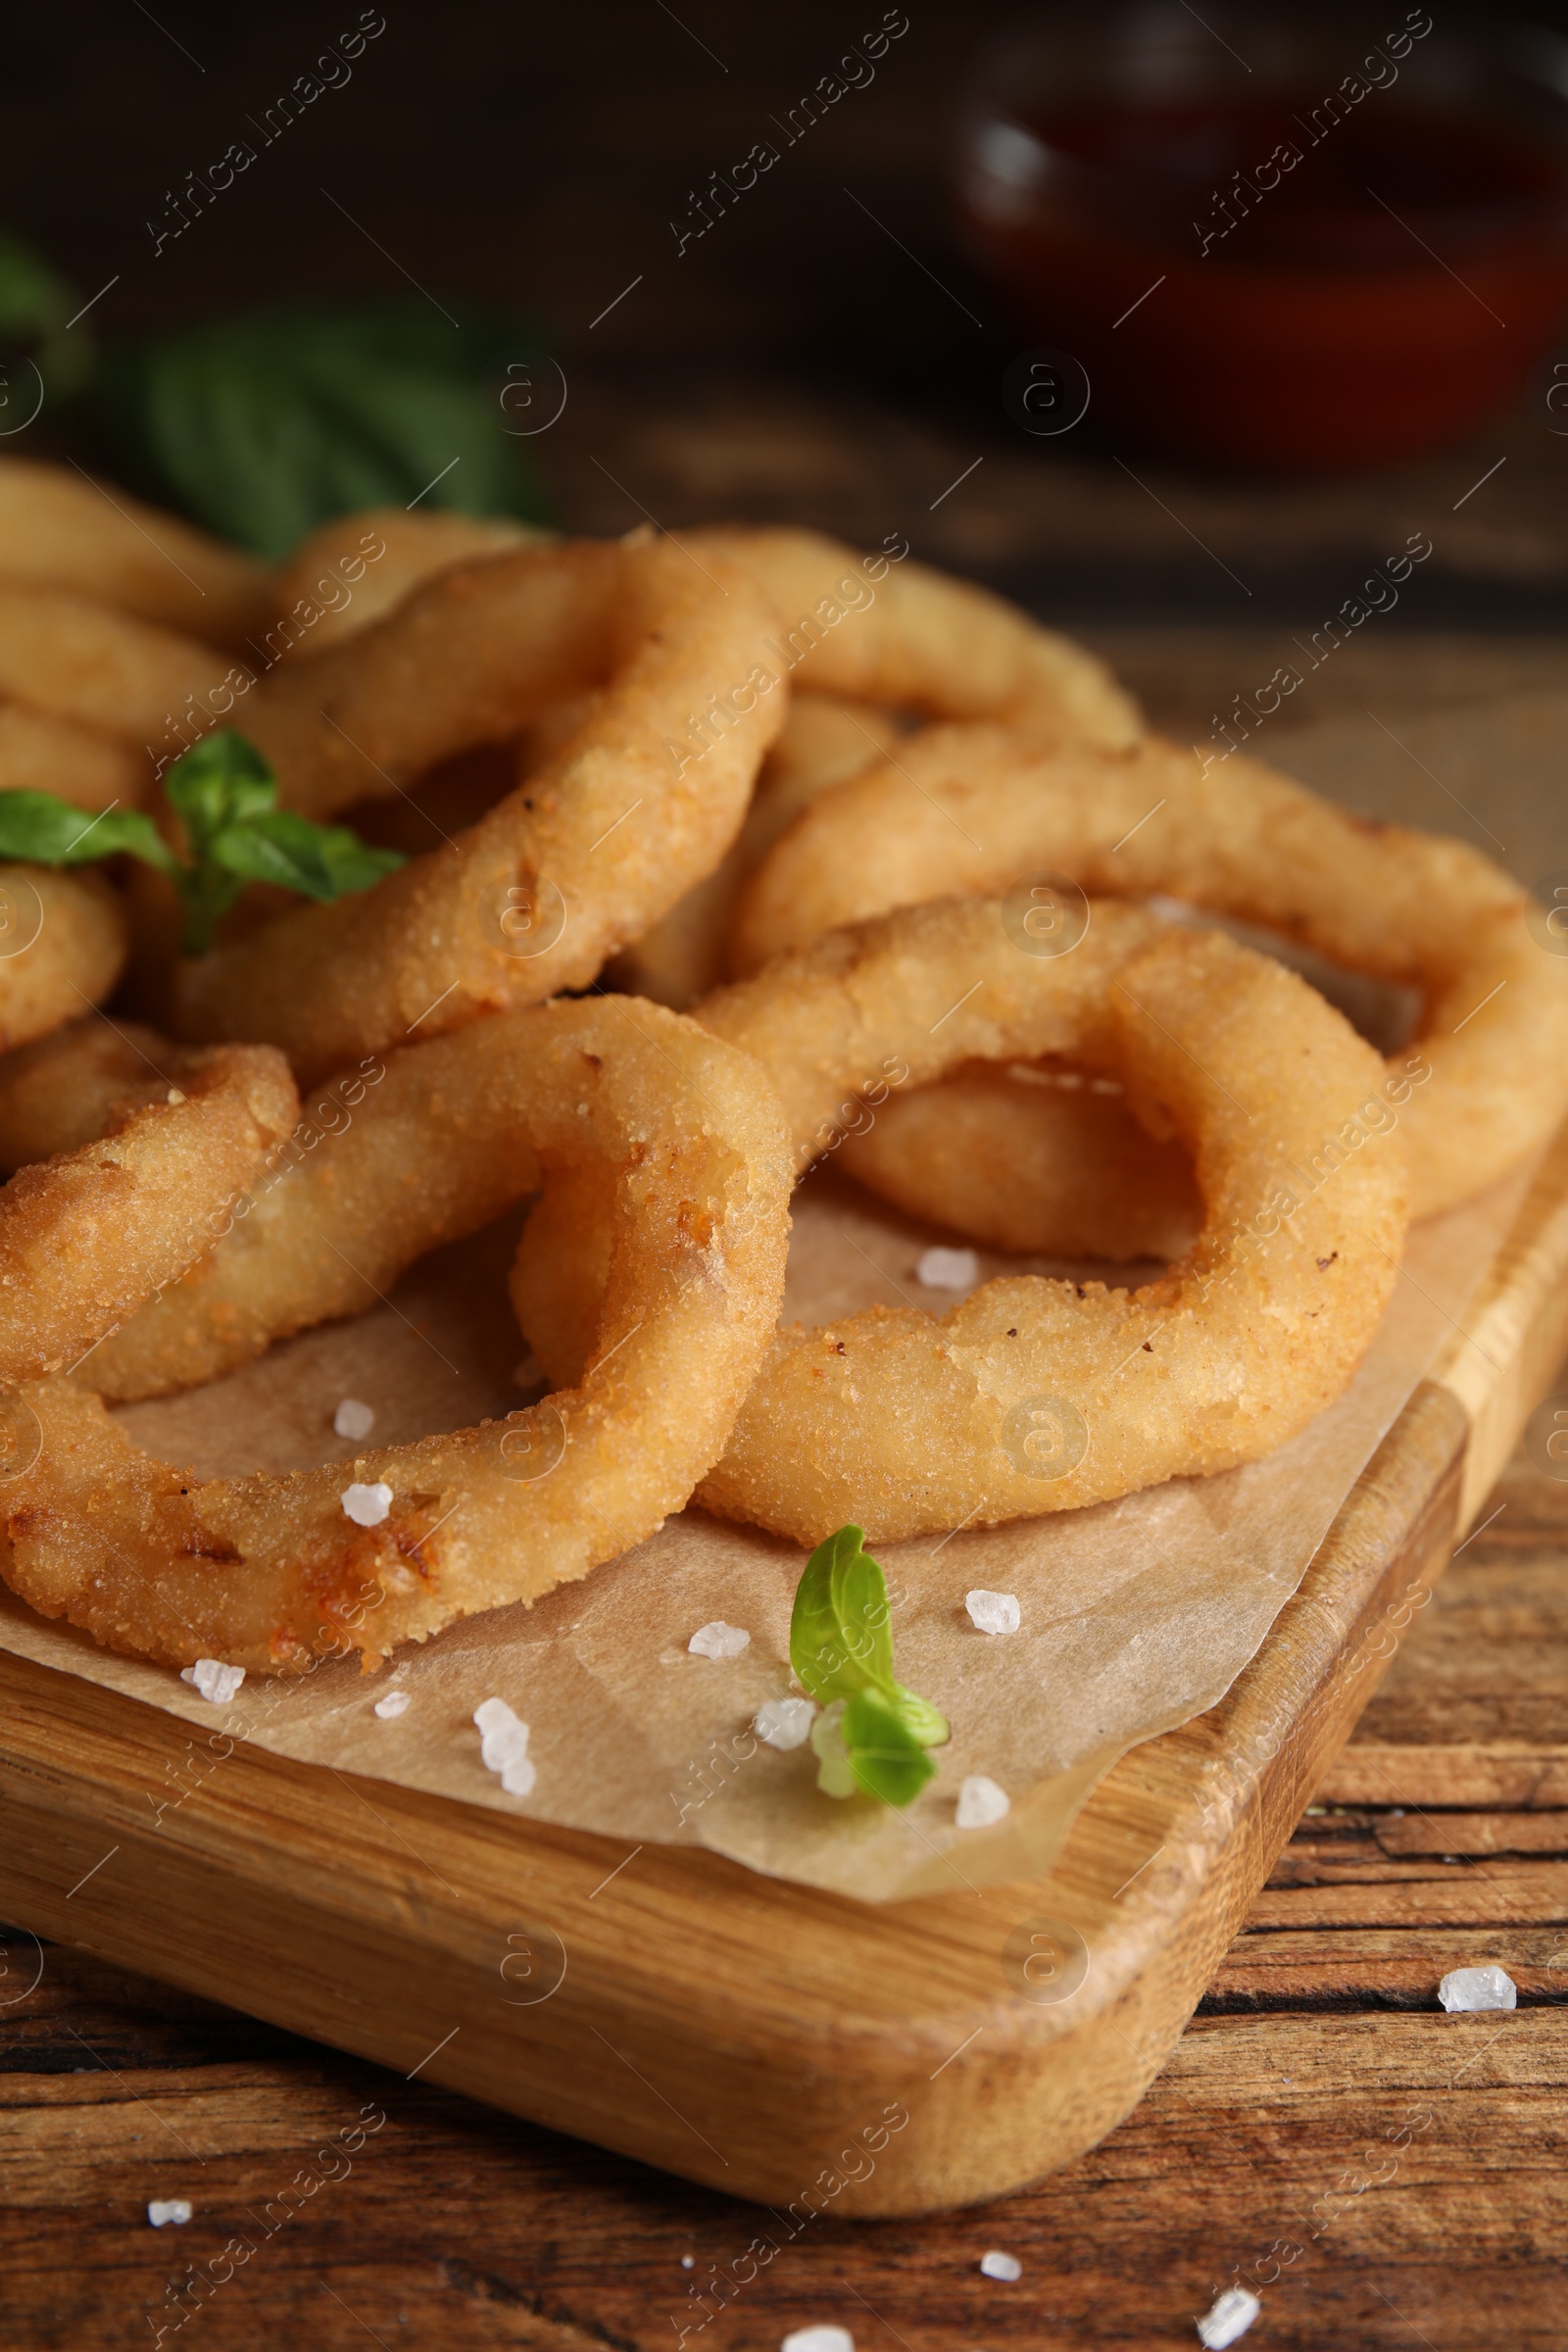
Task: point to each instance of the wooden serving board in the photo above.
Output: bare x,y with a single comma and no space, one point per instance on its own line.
769,2039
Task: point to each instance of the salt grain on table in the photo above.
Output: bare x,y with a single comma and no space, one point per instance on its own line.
1488,1988
994,1612
1001,2266
354,1419
948,1269
168,2209
719,1641
784,1721
1227,2323
503,1745
981,1803
818,2339
214,1680
393,1705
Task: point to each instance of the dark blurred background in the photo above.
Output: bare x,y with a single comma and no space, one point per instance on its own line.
831,351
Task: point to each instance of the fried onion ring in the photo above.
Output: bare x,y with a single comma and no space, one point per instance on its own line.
84,663
823,740
1076,1178
579,858
413,549
63,945
41,753
1036,1395
60,529
1414,909
61,1091
269,1572
898,632
86,1236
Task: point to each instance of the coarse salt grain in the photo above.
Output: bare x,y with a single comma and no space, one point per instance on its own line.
784,1721
818,2339
167,2208
395,1703
1002,2266
214,1680
994,1612
981,1802
1477,1988
503,1745
719,1641
366,1506
1229,2320
354,1419
948,1269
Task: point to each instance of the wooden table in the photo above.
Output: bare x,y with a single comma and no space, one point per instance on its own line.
1385,2174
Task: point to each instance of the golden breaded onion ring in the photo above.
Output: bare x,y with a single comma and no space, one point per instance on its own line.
270,1572
895,631
61,1091
357,567
59,528
824,739
83,663
62,945
1072,1175
1416,909
1033,1394
87,1236
42,753
579,858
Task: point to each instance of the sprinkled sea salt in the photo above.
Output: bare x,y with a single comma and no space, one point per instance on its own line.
1228,2322
785,1721
214,1680
719,1641
818,2339
948,1269
1477,1988
394,1704
167,2208
503,1745
994,1612
354,1419
981,1803
1001,2266
366,1506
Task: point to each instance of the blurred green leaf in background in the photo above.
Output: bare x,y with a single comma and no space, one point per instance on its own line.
262,426
36,306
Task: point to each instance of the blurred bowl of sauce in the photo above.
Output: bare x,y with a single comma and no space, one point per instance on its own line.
1273,242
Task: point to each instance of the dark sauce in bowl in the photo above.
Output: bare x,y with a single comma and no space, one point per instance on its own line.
1281,279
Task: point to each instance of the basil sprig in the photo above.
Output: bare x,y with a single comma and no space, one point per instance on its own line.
265,425
226,795
841,1648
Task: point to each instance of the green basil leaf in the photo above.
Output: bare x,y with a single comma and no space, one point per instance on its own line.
320,861
221,781
885,1756
39,829
36,306
840,1637
354,864
265,425
841,1648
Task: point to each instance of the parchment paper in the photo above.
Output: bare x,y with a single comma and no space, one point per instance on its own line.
1136,1615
